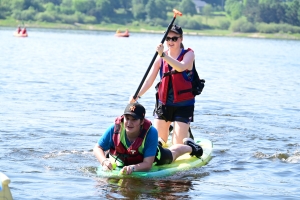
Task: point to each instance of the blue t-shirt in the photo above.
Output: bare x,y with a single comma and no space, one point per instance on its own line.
150,145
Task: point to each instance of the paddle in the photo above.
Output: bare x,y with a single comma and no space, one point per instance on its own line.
176,12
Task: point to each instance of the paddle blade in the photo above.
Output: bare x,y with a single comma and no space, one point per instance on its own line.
176,12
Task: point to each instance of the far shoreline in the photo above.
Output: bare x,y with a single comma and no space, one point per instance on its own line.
155,30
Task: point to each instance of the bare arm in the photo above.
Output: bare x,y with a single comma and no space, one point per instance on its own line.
107,165
150,79
100,155
151,76
185,64
143,166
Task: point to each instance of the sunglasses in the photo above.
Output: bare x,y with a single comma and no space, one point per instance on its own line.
174,39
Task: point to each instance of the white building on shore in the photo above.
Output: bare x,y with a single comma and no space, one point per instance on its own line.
199,5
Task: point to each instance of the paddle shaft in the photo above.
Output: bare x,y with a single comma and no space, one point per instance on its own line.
154,57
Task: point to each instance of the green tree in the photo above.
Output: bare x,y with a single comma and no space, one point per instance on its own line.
138,11
126,4
67,3
37,5
274,12
55,2
251,10
103,9
49,7
207,11
293,13
188,7
45,17
156,9
17,5
83,6
265,1
66,7
151,9
234,8
5,8
25,4
161,9
173,4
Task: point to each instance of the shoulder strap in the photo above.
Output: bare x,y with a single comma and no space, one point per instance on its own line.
195,76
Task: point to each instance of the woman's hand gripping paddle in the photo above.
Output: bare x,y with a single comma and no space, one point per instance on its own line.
176,12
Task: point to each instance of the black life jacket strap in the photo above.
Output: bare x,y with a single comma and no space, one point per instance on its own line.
170,73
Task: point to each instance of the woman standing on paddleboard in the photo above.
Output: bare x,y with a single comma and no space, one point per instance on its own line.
174,98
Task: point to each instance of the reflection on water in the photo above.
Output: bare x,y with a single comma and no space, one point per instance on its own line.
145,188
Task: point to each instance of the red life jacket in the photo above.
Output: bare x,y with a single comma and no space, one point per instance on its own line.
132,154
23,31
181,87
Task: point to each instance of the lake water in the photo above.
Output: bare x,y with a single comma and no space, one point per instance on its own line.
60,90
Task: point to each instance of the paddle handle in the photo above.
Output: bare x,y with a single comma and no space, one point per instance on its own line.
176,12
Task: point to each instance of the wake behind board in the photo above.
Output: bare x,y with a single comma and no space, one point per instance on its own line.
184,162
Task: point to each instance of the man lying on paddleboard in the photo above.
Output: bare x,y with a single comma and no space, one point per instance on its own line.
132,142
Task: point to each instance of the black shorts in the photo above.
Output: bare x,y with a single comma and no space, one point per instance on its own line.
166,156
183,114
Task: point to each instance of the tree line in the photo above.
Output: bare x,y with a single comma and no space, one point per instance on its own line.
267,11
90,11
241,15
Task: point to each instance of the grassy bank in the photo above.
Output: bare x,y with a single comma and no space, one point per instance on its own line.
145,28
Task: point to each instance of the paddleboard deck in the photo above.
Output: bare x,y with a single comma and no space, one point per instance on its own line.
184,162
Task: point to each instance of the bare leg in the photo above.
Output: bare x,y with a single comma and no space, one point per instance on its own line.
179,149
163,128
180,131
